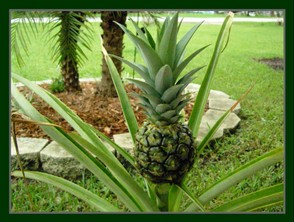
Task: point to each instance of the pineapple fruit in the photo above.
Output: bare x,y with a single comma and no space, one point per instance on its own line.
165,147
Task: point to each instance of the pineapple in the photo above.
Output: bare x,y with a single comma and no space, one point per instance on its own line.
165,147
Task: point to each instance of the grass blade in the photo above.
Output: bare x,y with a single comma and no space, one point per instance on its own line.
198,108
238,175
253,201
92,199
122,95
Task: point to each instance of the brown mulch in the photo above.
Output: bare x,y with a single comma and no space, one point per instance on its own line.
104,113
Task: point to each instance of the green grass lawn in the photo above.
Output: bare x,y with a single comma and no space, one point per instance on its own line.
261,128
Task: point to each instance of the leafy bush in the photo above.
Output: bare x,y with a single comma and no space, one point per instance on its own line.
57,85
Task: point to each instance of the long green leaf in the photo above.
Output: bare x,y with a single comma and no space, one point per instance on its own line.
239,174
174,198
195,200
120,173
161,108
160,31
67,142
92,199
253,201
199,105
182,44
80,126
119,149
150,190
167,47
122,95
218,123
82,155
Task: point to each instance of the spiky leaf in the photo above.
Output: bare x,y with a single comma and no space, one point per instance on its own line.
140,69
183,64
168,41
160,108
150,57
190,74
181,45
163,79
171,93
145,87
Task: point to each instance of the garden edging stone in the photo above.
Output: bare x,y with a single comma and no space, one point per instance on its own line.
50,157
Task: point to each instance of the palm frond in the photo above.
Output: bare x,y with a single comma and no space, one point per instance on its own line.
68,34
22,25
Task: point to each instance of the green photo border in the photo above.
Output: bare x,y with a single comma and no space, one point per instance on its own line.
286,5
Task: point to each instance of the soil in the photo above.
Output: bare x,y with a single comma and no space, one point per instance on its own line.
275,63
104,113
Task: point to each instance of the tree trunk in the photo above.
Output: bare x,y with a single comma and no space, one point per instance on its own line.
113,43
70,75
69,64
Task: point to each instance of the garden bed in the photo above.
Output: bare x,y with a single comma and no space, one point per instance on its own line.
104,113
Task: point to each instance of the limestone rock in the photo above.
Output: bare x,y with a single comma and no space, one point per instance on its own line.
211,117
124,140
29,150
57,161
223,104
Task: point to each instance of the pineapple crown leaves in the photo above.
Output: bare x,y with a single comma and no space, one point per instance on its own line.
164,51
163,64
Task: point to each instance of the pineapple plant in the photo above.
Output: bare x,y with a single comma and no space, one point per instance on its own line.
165,147
163,139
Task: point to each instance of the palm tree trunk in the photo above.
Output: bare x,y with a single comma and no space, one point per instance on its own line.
113,43
70,75
69,64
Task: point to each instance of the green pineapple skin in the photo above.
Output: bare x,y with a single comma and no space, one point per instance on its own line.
164,154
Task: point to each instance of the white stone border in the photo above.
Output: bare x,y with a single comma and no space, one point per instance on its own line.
42,155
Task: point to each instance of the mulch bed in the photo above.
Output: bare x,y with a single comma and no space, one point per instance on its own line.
104,113
275,63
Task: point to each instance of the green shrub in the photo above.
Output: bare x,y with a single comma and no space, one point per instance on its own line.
57,85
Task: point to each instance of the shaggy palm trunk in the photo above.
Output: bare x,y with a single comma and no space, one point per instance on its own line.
70,75
113,42
69,64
